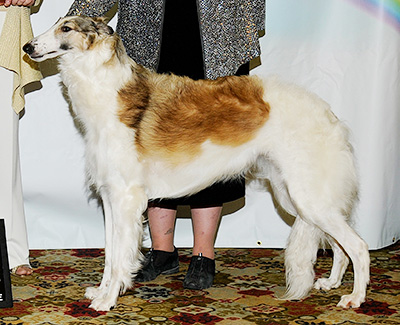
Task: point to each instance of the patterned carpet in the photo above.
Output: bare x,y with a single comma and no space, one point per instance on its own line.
244,292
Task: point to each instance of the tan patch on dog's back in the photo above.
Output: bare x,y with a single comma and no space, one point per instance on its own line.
173,116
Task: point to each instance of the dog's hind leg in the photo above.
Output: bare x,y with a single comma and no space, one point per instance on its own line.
127,208
300,257
303,242
340,263
337,227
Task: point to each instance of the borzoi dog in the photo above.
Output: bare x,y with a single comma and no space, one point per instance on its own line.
153,136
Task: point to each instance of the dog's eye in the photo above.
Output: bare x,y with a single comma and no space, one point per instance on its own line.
66,29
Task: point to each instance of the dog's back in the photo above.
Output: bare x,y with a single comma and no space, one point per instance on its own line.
227,112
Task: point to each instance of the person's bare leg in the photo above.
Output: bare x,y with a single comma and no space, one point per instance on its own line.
162,227
201,271
205,225
163,258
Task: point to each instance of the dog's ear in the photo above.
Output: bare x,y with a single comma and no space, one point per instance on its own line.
101,25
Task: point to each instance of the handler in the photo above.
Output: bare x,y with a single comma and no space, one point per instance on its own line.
199,39
16,71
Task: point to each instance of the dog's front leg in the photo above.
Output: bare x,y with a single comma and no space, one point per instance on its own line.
93,292
127,207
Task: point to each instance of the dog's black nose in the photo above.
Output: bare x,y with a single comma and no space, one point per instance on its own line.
28,48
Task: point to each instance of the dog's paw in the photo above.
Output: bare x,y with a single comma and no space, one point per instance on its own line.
351,301
103,303
92,293
325,284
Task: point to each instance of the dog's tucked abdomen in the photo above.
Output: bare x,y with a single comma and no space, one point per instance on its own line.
173,118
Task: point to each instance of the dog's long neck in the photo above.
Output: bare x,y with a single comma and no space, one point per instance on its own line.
104,63
95,76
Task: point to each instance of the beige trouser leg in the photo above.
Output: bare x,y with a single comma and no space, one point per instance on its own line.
11,200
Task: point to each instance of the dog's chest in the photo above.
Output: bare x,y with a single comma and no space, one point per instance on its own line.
111,155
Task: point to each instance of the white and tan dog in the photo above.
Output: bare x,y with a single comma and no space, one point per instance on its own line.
153,136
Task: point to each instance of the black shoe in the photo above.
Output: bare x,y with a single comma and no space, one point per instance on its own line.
156,263
200,274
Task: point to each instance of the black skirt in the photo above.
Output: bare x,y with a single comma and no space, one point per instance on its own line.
181,54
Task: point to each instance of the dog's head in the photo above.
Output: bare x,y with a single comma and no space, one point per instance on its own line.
74,33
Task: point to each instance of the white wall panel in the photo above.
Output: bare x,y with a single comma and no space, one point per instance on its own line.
345,53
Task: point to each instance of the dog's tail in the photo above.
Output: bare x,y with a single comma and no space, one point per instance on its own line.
300,257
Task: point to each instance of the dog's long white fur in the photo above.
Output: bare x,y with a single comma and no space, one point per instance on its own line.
302,148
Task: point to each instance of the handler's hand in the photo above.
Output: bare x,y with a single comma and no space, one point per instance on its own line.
25,3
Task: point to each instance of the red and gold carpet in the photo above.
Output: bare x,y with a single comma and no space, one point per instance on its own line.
244,292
